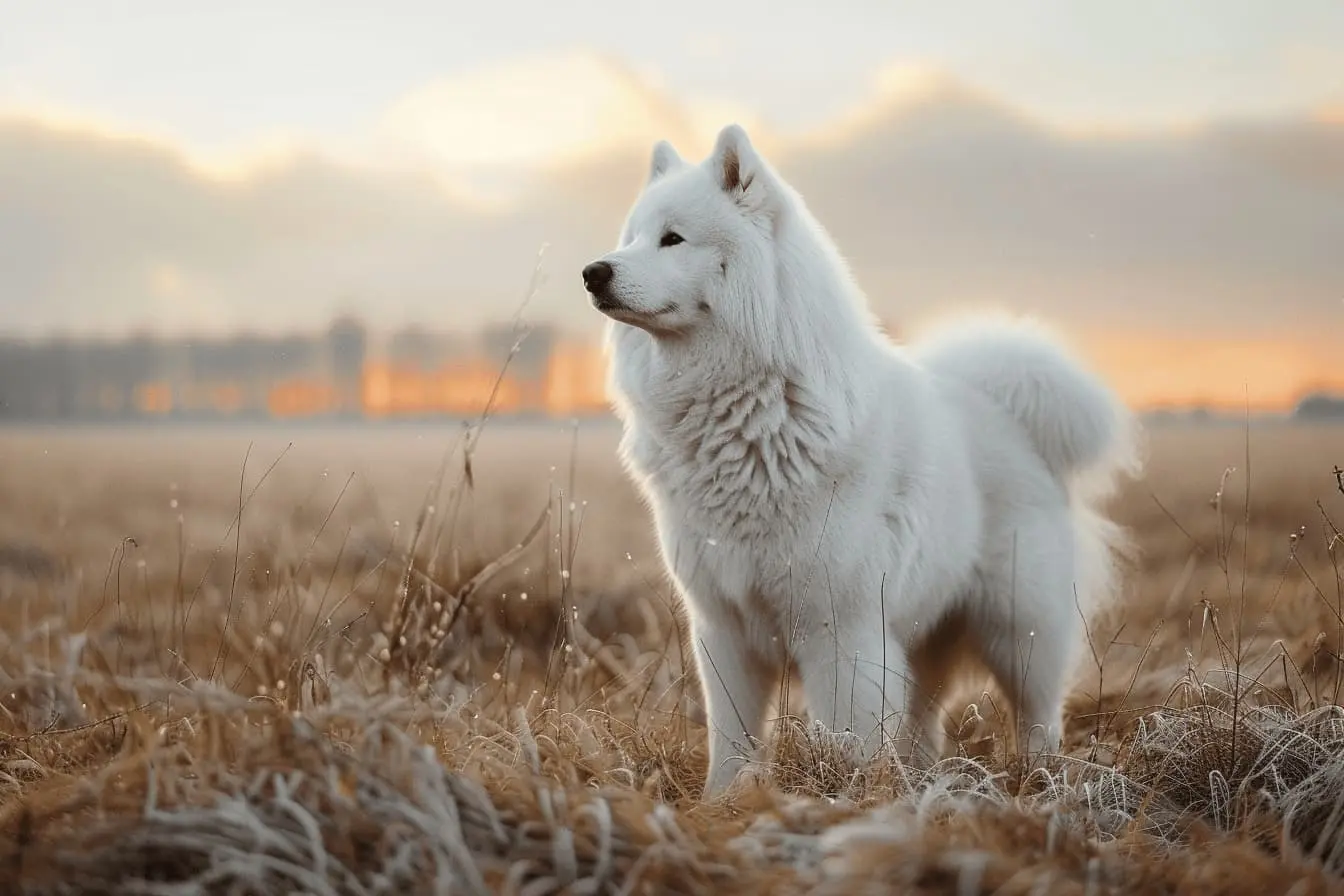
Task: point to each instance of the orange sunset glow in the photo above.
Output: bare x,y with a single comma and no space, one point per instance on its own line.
568,378
1153,373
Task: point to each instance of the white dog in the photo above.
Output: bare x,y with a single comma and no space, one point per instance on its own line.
827,502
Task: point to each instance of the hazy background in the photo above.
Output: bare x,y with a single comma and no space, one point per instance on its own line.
233,234
1165,181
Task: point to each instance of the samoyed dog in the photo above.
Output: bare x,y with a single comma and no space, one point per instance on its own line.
829,504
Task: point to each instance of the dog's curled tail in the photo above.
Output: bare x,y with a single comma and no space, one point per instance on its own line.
1080,428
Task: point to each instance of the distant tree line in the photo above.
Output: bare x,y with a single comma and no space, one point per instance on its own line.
66,378
1320,406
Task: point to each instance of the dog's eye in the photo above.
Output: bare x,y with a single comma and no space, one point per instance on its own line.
670,239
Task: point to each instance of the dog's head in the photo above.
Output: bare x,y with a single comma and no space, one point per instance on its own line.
698,244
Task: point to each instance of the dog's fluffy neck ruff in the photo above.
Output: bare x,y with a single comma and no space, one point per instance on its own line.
766,416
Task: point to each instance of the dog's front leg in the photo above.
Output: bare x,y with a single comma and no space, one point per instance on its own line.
736,687
856,678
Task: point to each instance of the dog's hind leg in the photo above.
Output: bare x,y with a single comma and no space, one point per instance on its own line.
1029,629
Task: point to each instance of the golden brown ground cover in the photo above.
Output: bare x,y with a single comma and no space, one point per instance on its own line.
229,663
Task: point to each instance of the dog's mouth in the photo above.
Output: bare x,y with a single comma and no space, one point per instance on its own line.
609,304
652,320
606,304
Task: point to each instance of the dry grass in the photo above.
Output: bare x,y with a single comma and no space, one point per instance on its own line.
262,677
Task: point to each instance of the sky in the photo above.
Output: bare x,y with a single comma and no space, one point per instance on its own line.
1147,173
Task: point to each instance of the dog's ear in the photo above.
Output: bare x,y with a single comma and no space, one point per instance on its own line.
735,162
665,158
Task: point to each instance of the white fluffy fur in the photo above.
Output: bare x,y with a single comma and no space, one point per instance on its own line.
867,515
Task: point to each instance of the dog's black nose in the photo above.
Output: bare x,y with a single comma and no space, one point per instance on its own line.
597,275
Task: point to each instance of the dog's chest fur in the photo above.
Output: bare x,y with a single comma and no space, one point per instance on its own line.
732,456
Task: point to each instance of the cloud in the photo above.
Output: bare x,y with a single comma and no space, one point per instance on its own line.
1232,228
938,194
546,112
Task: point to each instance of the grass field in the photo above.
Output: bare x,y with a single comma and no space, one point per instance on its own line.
233,664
